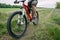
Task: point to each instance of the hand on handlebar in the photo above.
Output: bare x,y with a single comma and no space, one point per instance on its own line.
16,2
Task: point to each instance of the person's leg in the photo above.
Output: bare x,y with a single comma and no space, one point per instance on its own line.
34,3
34,10
34,14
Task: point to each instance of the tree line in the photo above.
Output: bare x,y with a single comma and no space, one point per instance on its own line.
8,6
15,6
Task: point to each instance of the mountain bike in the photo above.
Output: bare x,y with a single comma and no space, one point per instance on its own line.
18,21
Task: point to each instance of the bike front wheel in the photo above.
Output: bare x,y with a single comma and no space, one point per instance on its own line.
14,28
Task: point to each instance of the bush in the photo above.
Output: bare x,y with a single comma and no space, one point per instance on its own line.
58,5
54,32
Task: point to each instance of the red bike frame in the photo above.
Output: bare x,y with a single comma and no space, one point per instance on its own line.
27,11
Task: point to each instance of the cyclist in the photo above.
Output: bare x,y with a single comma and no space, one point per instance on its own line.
32,4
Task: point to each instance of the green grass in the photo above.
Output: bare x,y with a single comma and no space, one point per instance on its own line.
7,10
48,30
4,14
54,31
56,17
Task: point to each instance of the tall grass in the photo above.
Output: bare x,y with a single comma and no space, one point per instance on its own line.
54,27
54,31
56,17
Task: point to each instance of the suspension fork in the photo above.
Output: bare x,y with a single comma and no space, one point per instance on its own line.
21,17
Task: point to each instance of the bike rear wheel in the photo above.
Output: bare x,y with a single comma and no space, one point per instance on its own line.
14,28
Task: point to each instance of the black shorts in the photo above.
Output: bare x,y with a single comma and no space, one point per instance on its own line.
30,3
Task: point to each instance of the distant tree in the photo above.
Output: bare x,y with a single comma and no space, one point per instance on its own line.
58,5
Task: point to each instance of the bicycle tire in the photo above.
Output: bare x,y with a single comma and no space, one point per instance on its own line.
9,25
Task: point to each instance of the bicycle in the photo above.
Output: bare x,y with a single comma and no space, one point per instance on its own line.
19,19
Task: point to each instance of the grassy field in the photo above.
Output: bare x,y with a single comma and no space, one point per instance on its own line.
48,28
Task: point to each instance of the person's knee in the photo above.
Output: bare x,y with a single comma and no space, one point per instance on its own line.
33,6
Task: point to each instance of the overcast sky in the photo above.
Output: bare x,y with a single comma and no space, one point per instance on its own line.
41,3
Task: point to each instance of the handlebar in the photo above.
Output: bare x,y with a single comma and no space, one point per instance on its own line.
16,2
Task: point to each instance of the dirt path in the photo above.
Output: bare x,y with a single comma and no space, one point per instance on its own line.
47,16
29,32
